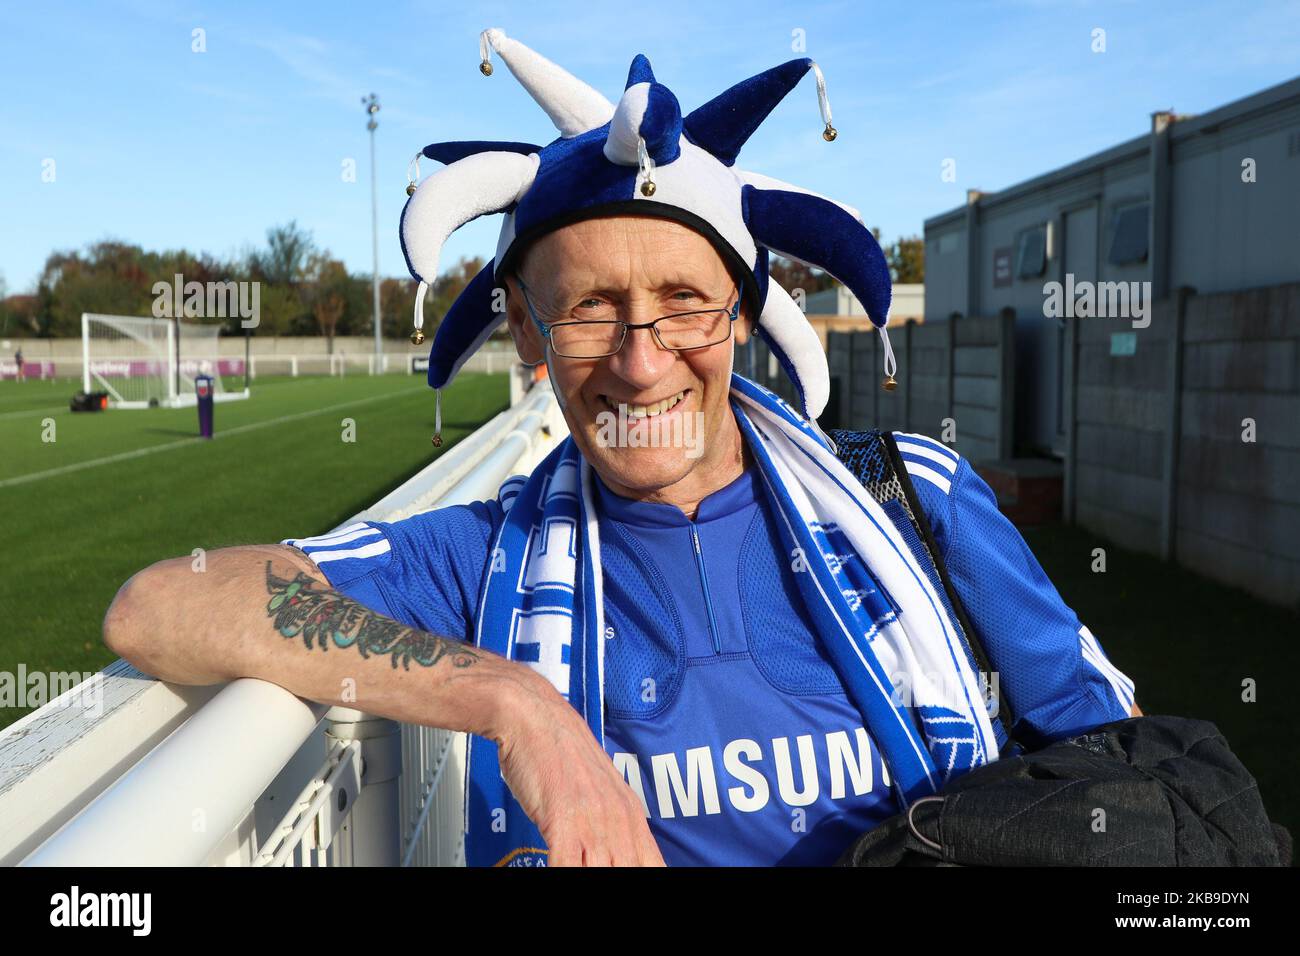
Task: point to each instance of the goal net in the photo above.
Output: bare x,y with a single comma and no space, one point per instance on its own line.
143,362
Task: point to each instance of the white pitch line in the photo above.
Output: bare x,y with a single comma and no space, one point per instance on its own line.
184,442
34,411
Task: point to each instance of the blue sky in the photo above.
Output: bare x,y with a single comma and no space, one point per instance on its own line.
158,145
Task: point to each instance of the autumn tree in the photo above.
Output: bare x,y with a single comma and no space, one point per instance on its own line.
326,289
288,250
793,275
906,259
302,289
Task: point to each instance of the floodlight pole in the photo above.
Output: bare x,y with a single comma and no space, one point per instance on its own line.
371,103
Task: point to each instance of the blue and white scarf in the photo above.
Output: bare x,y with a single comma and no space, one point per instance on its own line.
875,610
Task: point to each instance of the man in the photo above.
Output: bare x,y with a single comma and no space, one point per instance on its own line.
18,363
677,648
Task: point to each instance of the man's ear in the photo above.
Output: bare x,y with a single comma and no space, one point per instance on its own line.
744,325
529,345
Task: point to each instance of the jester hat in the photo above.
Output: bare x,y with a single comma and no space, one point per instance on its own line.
641,157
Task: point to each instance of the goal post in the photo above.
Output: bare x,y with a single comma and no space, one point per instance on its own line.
198,350
130,358
145,362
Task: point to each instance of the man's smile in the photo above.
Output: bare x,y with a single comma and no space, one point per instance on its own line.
652,409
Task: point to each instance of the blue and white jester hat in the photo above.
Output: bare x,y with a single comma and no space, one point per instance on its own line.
641,157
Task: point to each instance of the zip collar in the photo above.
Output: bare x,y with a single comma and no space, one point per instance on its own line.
739,494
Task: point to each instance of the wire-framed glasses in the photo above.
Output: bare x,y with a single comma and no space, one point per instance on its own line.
597,338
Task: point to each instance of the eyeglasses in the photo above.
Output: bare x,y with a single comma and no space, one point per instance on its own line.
597,338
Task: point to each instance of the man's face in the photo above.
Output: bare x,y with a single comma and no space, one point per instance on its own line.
637,268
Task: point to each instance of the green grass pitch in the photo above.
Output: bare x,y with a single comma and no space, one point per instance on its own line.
118,490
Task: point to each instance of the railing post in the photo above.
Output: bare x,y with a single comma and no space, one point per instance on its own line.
376,825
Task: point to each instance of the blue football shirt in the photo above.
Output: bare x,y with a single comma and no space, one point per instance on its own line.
722,712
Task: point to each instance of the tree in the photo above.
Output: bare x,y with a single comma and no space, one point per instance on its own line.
396,307
289,247
326,293
794,275
280,268
280,309
303,290
906,259
397,298
18,315
447,287
110,277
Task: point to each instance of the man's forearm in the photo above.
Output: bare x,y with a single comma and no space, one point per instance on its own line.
267,612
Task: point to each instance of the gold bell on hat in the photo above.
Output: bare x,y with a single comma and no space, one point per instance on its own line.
437,418
829,133
647,164
417,321
889,383
485,68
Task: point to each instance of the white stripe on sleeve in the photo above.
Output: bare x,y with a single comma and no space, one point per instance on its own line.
330,541
365,551
1120,684
924,451
918,470
928,442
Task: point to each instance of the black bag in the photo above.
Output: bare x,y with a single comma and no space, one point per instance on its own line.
1142,791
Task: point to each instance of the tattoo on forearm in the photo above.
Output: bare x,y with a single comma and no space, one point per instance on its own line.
304,606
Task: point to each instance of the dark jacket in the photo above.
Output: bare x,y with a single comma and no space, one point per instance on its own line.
1144,791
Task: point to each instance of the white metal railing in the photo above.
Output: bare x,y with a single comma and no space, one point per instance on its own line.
249,774
162,812
312,823
433,765
262,364
365,363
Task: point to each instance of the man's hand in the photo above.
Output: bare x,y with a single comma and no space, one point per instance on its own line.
568,786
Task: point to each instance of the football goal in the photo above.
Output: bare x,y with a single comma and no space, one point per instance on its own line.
142,362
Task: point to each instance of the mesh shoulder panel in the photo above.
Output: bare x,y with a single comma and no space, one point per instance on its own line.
865,455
